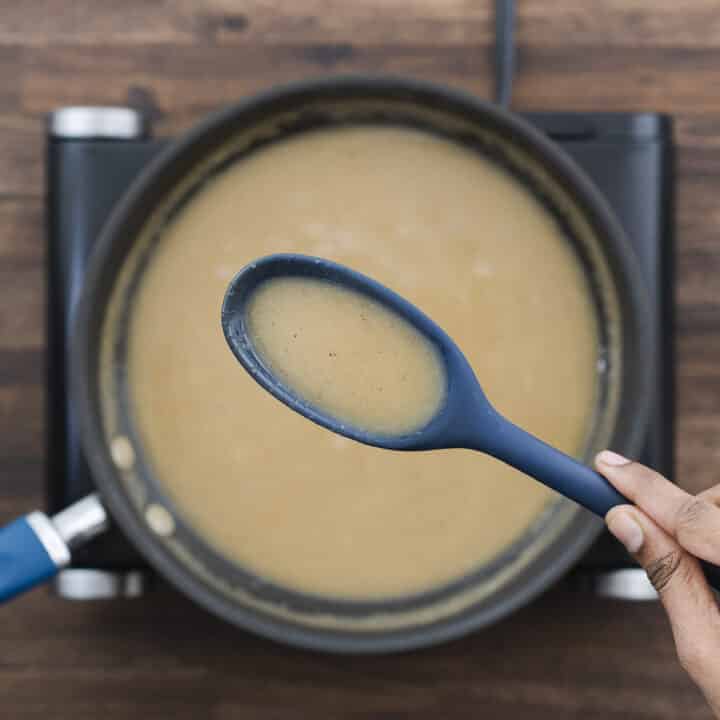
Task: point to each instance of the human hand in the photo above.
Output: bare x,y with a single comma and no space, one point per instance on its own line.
666,531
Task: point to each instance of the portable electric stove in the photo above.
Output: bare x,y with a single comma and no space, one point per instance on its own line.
94,154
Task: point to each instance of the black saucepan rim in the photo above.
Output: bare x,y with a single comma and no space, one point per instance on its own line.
158,179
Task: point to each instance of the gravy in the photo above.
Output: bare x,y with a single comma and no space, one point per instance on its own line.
346,355
447,229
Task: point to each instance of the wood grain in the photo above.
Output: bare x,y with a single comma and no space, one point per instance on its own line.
617,23
163,658
566,656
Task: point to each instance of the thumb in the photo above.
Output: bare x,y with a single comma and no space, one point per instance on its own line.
684,592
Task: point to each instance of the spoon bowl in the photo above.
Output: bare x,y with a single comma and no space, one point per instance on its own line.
447,428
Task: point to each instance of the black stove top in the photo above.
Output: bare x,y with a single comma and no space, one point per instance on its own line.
90,164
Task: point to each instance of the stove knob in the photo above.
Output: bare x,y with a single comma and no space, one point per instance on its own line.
98,123
86,584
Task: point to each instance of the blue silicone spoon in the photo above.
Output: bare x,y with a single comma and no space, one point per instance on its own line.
466,419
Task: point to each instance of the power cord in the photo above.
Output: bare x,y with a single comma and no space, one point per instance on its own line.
504,50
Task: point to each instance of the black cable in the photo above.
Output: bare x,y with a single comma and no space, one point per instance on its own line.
504,50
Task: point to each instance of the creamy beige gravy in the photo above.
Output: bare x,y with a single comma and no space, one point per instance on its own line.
445,228
346,355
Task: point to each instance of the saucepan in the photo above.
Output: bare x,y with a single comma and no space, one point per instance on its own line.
37,546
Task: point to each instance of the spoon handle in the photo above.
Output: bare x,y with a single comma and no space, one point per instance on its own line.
553,468
569,477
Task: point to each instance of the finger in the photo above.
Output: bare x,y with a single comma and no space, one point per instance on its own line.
686,596
712,495
693,521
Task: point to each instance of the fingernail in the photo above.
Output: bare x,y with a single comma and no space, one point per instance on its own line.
622,525
608,457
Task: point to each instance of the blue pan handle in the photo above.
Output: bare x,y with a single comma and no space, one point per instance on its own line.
35,547
560,472
31,551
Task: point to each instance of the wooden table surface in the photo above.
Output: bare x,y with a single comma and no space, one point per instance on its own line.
566,656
